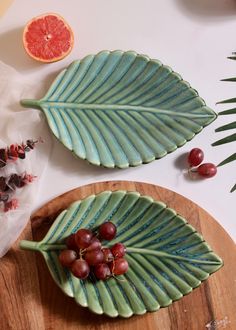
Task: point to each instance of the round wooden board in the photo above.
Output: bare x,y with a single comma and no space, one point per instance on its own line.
31,300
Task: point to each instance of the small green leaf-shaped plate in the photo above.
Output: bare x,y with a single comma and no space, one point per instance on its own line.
167,257
121,109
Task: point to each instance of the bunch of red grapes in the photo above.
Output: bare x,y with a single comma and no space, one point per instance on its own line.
85,254
195,158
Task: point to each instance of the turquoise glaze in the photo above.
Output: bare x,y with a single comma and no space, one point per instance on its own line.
121,109
167,256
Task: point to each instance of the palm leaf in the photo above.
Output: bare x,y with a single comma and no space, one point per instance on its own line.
228,139
226,127
232,100
227,112
120,109
167,257
232,137
229,79
233,189
233,57
228,160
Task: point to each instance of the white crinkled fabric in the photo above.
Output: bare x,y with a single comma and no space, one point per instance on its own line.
17,125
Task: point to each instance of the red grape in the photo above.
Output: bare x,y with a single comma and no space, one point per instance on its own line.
107,231
70,242
118,250
102,271
67,257
119,266
83,238
94,257
107,255
94,245
207,170
195,157
80,269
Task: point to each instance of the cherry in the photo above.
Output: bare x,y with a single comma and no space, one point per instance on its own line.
67,257
118,250
207,170
102,271
80,269
195,157
107,231
83,238
94,257
119,266
95,245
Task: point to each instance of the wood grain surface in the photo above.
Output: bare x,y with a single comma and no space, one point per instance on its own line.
31,300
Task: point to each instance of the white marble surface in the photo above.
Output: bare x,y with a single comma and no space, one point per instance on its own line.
192,37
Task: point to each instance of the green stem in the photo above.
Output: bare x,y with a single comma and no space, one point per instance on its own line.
30,103
29,245
38,246
171,256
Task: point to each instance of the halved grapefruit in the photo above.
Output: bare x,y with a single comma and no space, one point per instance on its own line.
48,38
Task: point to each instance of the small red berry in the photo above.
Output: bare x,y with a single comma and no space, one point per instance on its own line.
80,269
207,170
107,231
118,250
83,238
102,271
119,266
67,257
195,157
94,257
94,245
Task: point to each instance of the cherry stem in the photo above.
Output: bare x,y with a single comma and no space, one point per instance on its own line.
192,169
81,254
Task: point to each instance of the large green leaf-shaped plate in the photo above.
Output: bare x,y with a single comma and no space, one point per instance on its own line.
120,109
167,257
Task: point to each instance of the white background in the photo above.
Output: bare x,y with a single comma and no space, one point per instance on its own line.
193,37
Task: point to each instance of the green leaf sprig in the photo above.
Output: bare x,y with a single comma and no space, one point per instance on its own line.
230,126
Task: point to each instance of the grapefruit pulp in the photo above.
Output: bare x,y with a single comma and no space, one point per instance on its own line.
48,38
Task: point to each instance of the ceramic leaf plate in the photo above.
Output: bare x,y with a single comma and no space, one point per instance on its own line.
167,257
121,109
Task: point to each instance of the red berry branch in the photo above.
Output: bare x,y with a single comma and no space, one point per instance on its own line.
15,181
7,187
15,151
